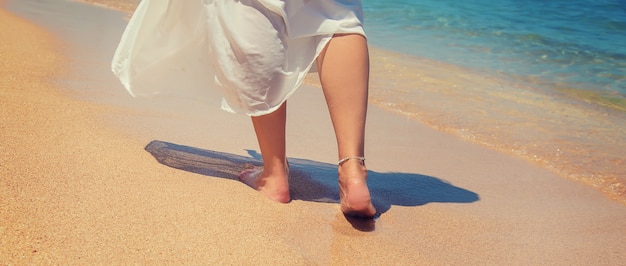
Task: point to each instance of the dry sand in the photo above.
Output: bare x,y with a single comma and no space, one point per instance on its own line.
80,185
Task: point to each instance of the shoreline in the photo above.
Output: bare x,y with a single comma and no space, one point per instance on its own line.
545,128
84,185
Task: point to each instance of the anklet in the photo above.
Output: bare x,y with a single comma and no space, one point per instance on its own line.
349,158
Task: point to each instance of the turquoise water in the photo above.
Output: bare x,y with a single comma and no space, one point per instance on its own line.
577,42
542,80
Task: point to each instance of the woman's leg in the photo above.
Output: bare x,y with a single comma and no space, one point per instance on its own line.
344,73
272,181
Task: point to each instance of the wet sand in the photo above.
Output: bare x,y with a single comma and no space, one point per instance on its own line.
98,177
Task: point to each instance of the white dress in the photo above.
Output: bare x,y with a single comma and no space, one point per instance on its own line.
255,52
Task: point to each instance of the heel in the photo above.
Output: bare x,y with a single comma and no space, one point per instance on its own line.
354,195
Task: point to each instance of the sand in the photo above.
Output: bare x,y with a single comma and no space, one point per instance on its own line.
99,178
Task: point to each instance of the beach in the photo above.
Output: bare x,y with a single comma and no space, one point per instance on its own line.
90,175
542,96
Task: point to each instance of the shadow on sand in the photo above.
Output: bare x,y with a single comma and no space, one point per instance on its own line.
315,181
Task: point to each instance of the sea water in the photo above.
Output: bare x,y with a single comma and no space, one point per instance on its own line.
543,80
576,42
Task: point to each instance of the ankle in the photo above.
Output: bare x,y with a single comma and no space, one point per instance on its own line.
352,171
276,168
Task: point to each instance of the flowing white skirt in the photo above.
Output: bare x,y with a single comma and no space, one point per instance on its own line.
255,52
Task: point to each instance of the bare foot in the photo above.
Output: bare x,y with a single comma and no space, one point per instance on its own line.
353,191
275,188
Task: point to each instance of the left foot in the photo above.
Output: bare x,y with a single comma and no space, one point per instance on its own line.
274,187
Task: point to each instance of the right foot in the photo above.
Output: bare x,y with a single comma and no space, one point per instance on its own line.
353,191
275,188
